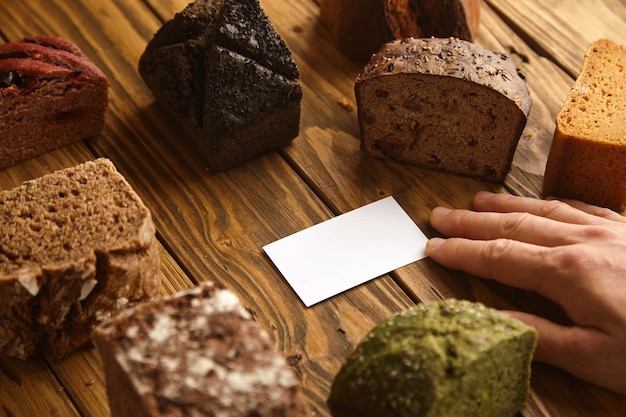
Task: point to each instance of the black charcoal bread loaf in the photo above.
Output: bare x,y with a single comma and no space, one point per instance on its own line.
450,358
226,73
444,104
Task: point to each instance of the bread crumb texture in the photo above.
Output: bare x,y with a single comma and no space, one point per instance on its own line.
442,104
67,215
197,352
76,245
587,159
448,358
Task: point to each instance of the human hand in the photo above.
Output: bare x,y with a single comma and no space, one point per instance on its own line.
571,253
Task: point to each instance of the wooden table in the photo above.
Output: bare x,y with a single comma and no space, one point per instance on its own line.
212,227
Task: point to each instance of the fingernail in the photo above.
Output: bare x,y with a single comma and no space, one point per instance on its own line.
484,195
440,211
433,244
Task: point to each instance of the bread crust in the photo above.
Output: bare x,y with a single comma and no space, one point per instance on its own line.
441,358
54,293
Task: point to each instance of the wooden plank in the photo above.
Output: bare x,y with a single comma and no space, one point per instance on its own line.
54,160
216,224
82,376
327,151
562,30
548,86
29,388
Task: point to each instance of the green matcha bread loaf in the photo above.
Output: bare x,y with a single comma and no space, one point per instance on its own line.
450,358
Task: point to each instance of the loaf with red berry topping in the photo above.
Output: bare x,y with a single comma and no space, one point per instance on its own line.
51,95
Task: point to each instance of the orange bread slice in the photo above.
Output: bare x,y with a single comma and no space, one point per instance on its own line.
587,160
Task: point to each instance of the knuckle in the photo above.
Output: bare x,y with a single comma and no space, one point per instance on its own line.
600,232
574,258
552,208
463,216
511,223
492,252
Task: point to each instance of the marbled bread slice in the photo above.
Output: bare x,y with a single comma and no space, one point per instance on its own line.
195,353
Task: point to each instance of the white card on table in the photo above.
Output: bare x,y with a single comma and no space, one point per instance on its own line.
348,250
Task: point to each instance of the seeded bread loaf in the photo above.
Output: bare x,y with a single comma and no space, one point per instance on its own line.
448,358
75,245
442,104
50,95
222,68
361,27
196,353
587,159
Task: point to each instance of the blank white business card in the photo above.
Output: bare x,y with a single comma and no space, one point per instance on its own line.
348,250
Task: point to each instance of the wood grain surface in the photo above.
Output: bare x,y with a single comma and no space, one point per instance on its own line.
212,226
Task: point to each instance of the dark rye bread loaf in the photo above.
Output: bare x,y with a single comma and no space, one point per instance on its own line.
195,353
445,358
222,68
50,95
587,159
75,246
361,27
442,104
